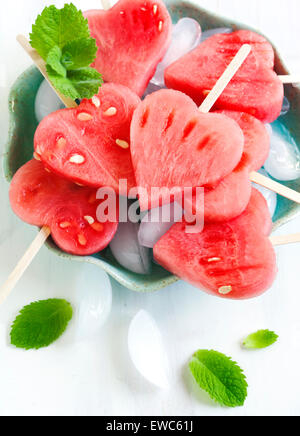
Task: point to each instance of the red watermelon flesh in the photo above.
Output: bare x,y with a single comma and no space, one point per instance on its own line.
43,199
232,260
173,145
81,144
132,37
257,214
255,89
257,138
231,196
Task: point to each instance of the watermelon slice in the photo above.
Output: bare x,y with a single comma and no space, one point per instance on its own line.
255,89
231,196
43,199
232,260
90,144
132,37
173,145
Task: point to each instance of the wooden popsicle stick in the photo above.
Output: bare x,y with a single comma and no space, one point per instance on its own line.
285,239
226,77
106,4
293,78
270,184
41,64
24,263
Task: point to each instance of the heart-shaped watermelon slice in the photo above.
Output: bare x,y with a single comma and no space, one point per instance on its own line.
231,196
173,145
255,89
43,199
232,260
90,144
132,38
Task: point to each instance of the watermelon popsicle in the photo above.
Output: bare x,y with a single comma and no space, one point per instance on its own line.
132,38
41,199
234,260
171,121
90,144
256,88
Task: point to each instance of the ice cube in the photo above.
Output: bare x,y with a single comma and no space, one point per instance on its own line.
157,222
185,37
147,350
93,301
128,252
285,107
270,196
46,101
283,162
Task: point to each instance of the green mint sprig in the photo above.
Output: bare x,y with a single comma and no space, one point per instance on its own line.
260,339
40,324
220,377
62,38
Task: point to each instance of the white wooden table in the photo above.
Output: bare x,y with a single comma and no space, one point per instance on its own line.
96,376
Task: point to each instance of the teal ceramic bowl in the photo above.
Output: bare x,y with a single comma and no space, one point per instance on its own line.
23,123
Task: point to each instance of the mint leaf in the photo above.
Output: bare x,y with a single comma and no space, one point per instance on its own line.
79,53
54,61
40,324
220,377
81,83
62,38
86,81
260,339
58,27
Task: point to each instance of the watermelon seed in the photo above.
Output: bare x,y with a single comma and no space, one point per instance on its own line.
84,117
110,112
38,150
169,121
144,9
224,290
98,227
36,156
160,26
48,171
65,225
76,159
61,143
82,239
122,144
144,118
155,7
206,92
96,102
189,128
89,219
214,259
204,142
79,184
